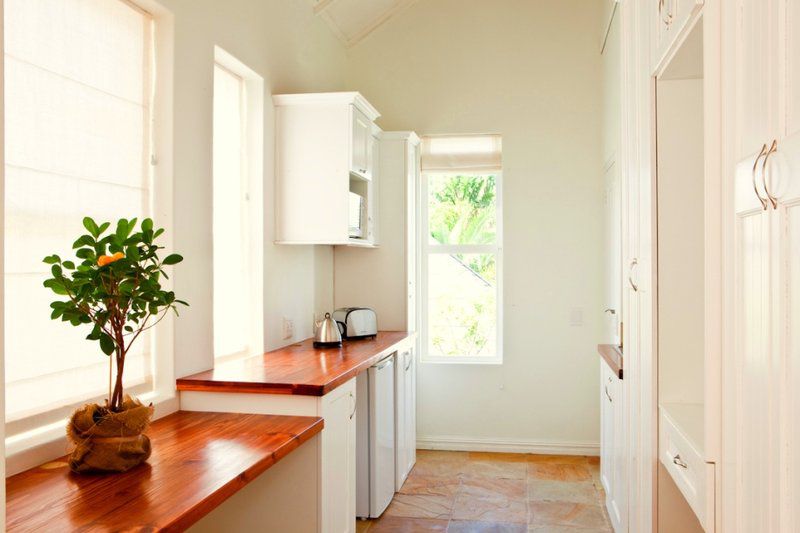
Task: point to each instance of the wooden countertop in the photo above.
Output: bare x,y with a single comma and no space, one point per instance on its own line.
612,356
296,369
199,460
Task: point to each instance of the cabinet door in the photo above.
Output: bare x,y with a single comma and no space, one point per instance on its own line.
360,161
785,177
410,409
752,473
339,460
401,422
789,56
606,429
756,74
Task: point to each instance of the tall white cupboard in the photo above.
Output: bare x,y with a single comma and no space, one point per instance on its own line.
761,371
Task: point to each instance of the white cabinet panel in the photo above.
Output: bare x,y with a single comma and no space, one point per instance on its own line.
789,19
613,446
361,159
756,98
405,416
338,460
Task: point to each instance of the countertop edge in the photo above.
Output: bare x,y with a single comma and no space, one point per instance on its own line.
613,357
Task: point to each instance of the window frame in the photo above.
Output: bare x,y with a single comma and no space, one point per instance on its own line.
424,249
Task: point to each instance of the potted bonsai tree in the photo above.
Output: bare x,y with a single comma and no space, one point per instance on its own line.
115,288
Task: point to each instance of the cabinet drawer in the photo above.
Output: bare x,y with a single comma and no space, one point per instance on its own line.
684,462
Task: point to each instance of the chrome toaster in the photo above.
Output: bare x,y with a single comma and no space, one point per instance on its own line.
356,322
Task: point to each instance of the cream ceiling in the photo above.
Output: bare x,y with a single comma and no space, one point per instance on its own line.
353,20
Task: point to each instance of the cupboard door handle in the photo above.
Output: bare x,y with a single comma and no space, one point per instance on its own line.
407,355
678,461
607,394
761,154
353,399
634,286
772,149
668,20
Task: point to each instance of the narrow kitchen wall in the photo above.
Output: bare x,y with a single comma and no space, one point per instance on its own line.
293,51
530,70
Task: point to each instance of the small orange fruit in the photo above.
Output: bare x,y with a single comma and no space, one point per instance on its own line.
104,260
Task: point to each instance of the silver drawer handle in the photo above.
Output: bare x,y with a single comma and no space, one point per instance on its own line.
353,399
678,461
608,395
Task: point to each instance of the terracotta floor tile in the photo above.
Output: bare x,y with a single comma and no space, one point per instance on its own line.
568,529
498,457
558,459
420,506
559,472
466,526
395,524
566,514
445,469
436,486
490,509
564,491
514,489
487,469
442,456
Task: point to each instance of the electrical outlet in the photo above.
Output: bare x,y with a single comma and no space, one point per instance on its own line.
288,328
576,316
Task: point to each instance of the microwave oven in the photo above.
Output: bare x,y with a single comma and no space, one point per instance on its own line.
357,225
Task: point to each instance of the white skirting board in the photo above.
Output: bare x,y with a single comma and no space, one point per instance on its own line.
508,446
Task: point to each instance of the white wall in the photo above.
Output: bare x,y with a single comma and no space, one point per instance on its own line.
530,70
2,304
282,41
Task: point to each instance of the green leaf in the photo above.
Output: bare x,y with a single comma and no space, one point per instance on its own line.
51,259
84,253
56,270
147,224
83,240
173,259
106,344
69,265
104,226
122,231
91,226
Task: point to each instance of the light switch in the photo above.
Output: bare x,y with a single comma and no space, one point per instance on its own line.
288,328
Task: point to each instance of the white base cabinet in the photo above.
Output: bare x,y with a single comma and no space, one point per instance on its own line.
405,414
336,458
612,447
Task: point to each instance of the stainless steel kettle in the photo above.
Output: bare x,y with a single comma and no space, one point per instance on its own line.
327,333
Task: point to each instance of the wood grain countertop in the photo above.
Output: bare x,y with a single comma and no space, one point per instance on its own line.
297,369
199,460
612,355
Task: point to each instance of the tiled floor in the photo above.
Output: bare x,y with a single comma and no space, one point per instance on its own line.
495,492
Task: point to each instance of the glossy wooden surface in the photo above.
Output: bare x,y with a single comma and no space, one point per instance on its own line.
612,356
198,461
296,369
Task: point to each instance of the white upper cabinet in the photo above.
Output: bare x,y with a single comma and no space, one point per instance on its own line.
362,158
324,178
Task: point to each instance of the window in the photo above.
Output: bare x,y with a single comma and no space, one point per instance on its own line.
78,86
237,218
461,254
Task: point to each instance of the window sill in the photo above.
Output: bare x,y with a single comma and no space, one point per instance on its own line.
48,442
460,361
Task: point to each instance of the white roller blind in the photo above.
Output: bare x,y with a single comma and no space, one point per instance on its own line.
77,88
461,153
